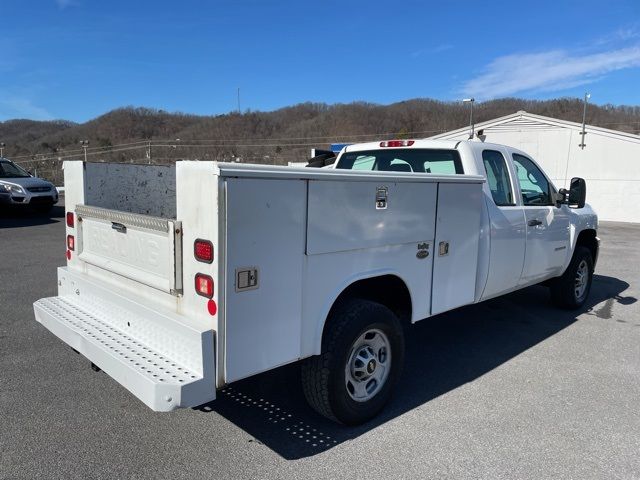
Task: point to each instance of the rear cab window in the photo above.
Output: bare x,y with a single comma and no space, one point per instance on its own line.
418,160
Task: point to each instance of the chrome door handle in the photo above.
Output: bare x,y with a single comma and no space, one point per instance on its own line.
534,223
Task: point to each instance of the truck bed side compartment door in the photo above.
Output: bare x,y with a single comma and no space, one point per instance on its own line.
266,223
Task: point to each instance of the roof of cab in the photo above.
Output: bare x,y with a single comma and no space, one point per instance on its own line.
418,143
422,143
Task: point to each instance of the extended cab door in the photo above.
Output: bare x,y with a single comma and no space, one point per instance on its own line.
547,225
506,224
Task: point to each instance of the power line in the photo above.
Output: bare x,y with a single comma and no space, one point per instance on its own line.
63,157
206,143
102,148
380,134
231,141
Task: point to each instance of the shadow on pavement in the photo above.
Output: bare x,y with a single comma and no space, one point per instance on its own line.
18,216
443,353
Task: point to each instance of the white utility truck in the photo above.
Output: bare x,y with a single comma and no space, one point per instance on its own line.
182,279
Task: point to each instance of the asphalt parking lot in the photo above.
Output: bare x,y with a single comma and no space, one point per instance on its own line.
511,388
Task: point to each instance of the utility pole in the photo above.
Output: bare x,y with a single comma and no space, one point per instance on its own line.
587,96
238,100
470,101
1,149
85,145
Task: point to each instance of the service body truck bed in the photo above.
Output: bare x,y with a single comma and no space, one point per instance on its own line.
182,279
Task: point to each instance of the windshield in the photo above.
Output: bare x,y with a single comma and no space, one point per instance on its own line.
403,160
11,170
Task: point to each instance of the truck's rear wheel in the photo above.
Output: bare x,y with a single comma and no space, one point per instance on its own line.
571,290
361,360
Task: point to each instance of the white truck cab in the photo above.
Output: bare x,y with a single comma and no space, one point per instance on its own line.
182,279
527,236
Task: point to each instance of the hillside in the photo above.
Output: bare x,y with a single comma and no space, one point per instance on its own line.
287,134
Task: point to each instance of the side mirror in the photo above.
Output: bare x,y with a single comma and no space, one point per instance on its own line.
577,192
576,195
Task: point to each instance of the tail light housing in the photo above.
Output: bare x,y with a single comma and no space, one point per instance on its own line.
397,143
203,250
204,285
70,219
71,242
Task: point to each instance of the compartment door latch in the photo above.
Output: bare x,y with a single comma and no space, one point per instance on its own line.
246,278
443,249
381,198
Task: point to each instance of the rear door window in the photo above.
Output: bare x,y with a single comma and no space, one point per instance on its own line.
498,178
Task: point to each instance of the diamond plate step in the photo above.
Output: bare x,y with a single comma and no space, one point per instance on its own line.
154,377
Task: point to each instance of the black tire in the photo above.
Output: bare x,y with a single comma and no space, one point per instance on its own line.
324,379
563,289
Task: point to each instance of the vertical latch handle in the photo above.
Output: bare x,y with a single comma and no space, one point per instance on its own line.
381,198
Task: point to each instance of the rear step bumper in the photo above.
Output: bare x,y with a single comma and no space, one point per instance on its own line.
164,363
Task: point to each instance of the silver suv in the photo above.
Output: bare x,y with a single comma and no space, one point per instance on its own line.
19,187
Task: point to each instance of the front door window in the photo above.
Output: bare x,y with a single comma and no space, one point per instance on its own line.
534,186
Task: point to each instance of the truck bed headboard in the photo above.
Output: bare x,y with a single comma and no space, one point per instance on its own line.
143,189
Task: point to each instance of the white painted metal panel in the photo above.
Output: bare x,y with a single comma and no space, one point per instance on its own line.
164,359
147,255
327,275
458,230
74,195
265,231
548,243
199,210
344,216
507,247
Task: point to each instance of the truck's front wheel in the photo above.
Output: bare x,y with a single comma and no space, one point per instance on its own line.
571,290
362,356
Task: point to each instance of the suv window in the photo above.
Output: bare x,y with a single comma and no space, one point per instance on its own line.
534,186
498,177
11,170
403,160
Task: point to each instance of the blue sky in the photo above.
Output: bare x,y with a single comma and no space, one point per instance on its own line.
77,59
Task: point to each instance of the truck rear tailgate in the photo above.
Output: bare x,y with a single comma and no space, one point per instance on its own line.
140,247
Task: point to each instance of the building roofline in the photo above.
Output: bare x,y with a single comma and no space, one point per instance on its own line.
541,118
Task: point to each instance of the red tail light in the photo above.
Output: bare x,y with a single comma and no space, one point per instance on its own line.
203,250
70,219
204,285
397,143
71,242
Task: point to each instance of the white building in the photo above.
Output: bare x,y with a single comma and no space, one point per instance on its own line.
609,161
